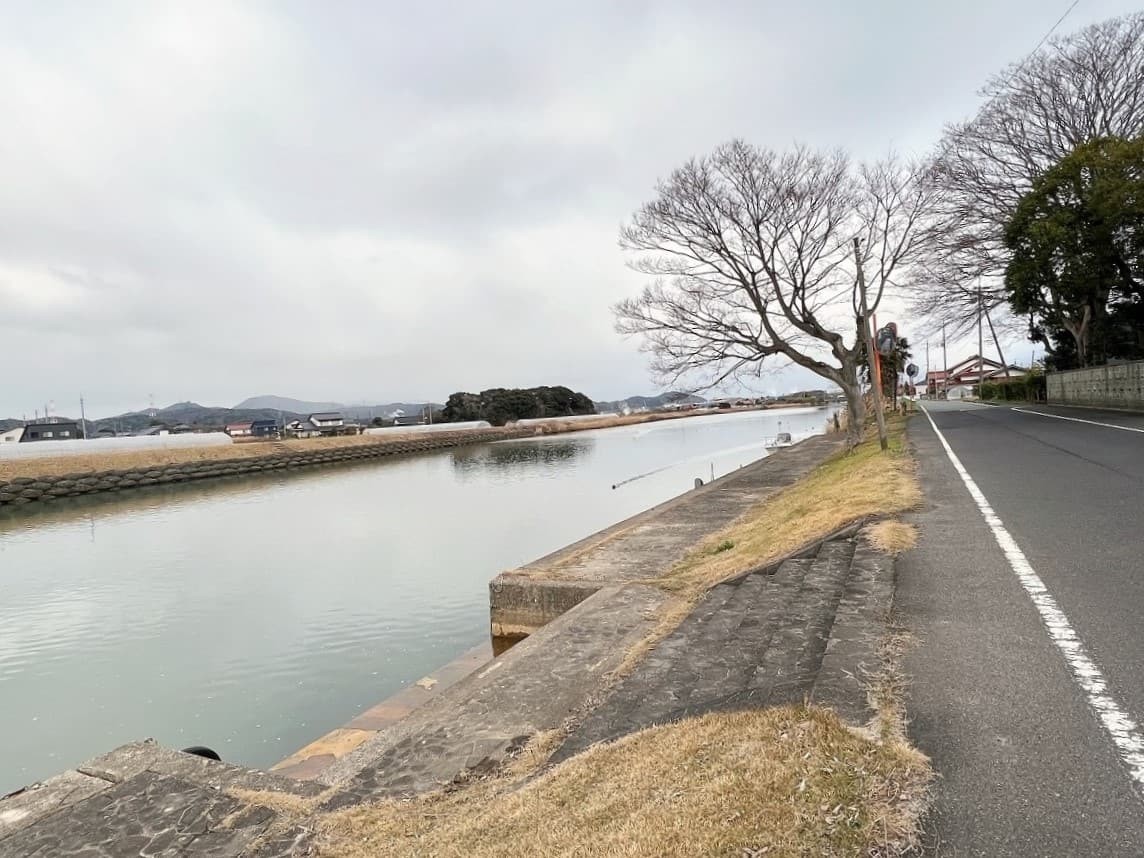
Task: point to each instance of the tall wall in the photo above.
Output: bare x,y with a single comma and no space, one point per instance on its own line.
1116,386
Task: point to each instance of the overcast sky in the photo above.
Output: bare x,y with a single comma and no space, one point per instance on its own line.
384,202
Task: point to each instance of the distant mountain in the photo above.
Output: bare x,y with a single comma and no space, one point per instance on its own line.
285,403
357,412
256,408
648,403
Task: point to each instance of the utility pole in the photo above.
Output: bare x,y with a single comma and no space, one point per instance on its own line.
980,341
871,360
945,363
927,368
997,342
82,419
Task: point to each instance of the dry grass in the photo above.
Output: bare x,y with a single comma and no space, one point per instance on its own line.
846,488
892,537
780,782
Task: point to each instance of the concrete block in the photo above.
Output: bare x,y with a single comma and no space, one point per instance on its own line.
23,808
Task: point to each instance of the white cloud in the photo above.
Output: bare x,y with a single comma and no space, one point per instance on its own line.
215,200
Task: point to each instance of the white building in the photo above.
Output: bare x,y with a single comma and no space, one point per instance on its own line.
12,436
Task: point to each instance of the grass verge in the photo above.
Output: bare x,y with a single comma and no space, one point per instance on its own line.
844,489
781,782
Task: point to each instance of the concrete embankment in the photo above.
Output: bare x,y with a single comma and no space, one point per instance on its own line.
642,547
581,609
795,627
28,490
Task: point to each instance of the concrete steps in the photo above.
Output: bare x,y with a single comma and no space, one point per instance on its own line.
809,630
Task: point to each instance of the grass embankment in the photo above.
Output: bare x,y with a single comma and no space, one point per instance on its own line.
846,488
777,782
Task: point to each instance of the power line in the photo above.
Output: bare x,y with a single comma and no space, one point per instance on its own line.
1053,28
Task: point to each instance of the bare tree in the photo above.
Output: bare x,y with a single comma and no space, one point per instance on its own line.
752,255
1080,87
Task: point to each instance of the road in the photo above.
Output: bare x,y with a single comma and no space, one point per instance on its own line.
1026,595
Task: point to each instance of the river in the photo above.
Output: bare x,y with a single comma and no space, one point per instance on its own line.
254,615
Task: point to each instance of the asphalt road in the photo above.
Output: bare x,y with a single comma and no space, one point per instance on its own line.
1026,768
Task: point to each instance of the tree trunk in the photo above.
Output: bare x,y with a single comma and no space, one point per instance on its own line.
855,405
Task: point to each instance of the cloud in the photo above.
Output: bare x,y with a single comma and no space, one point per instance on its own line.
383,201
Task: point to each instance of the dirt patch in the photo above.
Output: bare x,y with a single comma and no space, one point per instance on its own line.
777,782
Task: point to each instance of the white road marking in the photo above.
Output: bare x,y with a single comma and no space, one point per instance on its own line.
1123,731
1079,420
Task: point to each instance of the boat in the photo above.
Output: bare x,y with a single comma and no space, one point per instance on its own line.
781,440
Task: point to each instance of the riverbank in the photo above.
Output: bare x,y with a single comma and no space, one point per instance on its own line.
28,480
677,643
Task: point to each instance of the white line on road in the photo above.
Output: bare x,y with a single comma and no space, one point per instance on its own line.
1124,732
1078,420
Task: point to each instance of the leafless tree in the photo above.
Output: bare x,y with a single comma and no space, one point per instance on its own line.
752,258
1080,87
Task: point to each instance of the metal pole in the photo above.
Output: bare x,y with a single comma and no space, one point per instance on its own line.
82,419
871,361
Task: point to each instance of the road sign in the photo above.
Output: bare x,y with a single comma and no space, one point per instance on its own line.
912,370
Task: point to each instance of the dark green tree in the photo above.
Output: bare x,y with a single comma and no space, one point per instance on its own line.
1077,254
501,405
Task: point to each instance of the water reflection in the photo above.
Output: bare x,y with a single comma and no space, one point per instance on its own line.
471,462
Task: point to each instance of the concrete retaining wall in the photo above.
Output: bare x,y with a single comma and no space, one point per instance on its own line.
520,606
26,490
1116,386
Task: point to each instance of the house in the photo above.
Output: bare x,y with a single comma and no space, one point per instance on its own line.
153,431
264,428
11,436
327,422
239,430
403,419
971,371
302,429
63,430
105,432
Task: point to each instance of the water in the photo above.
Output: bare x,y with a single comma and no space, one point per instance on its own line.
253,616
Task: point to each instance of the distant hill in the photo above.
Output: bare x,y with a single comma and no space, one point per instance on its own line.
648,403
357,412
285,403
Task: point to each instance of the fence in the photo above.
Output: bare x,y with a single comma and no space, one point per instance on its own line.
1113,386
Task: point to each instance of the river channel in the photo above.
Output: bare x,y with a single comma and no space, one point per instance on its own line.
254,615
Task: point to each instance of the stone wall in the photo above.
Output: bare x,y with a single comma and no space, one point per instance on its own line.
1115,386
25,490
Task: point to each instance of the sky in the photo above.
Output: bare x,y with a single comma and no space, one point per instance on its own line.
377,201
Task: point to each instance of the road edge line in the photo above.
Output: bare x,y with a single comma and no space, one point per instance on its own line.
1077,420
1123,731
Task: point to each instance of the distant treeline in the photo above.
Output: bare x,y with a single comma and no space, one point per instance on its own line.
500,405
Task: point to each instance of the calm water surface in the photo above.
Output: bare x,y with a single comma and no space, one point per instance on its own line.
253,616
